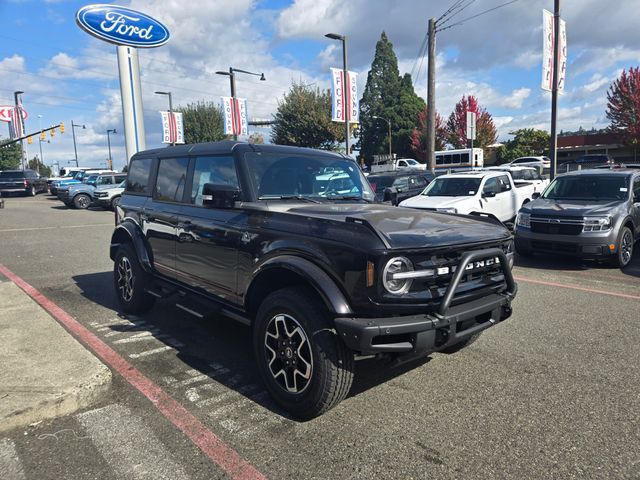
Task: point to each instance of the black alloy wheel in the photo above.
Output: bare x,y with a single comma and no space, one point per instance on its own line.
305,366
130,281
625,247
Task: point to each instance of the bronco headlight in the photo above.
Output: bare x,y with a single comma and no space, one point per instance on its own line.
396,275
523,220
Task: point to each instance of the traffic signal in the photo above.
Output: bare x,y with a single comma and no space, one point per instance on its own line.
43,136
61,127
110,164
52,132
29,140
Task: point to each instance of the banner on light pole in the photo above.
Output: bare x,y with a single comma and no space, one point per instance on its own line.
235,116
548,32
471,125
342,108
172,131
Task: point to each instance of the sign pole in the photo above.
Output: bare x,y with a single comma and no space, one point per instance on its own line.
553,141
130,91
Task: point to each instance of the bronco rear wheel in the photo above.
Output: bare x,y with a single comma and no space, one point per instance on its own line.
130,281
305,366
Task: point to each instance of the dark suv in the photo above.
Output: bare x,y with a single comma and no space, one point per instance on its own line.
27,182
593,214
265,235
585,162
394,187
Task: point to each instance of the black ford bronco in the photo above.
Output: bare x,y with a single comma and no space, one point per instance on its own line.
290,242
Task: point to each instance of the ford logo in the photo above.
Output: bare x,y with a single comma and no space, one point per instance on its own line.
122,26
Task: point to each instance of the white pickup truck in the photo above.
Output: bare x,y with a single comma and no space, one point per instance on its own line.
487,193
397,164
524,175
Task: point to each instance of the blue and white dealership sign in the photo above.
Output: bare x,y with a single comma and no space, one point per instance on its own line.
122,26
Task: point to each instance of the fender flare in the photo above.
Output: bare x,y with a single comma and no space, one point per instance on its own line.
128,232
320,281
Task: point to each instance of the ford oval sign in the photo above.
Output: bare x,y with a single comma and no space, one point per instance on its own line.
122,26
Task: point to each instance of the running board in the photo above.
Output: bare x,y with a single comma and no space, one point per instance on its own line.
188,310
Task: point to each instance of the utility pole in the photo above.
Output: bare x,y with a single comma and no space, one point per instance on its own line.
553,143
431,97
18,118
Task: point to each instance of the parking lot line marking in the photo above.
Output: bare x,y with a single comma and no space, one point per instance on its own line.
576,287
153,351
211,445
55,228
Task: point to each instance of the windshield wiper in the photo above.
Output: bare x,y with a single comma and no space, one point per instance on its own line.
289,197
348,197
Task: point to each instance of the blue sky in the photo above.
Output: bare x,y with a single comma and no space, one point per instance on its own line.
67,75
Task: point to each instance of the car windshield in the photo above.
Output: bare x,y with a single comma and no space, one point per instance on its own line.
306,176
411,162
452,187
588,187
90,179
380,183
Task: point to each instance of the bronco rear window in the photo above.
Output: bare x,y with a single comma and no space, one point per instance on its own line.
138,179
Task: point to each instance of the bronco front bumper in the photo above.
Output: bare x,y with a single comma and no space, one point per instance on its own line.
430,332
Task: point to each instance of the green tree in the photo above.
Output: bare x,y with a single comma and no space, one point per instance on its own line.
623,106
405,118
419,136
203,122
379,100
526,142
303,119
38,166
10,156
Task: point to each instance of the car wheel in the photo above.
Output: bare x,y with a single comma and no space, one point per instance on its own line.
305,366
625,247
462,344
31,191
82,201
115,201
130,281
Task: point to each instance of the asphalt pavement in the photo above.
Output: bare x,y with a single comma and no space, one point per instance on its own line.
551,393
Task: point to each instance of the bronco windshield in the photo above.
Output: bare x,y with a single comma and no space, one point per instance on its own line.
594,188
313,177
452,187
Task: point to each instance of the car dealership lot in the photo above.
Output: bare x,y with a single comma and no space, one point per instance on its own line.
551,392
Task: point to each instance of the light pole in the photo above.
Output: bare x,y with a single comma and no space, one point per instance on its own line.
388,123
171,136
232,81
40,138
345,73
110,130
18,107
73,130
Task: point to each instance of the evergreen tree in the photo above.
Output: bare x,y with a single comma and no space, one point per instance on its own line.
203,122
408,108
10,156
304,119
486,132
38,166
379,99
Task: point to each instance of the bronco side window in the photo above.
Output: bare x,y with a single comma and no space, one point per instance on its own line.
172,177
138,179
218,170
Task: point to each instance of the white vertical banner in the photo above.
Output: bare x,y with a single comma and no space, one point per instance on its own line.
172,131
471,125
236,120
548,37
342,107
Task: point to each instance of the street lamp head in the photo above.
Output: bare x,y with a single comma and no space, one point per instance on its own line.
222,73
18,92
162,93
334,36
262,77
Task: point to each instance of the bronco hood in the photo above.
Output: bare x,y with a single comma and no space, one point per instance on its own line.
409,228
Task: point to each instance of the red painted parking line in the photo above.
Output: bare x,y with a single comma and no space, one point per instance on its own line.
222,454
576,287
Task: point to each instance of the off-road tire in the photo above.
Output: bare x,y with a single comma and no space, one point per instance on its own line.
130,290
462,344
332,363
82,201
625,245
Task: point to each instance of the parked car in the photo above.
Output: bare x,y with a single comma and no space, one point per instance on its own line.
397,164
108,196
27,182
592,214
80,195
78,177
484,193
524,175
586,161
542,163
65,173
243,230
394,187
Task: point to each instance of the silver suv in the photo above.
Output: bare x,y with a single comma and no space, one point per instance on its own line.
591,214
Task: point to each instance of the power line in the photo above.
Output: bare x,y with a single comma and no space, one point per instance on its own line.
477,15
449,10
461,8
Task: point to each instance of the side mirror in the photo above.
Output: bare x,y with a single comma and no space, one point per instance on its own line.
488,194
535,195
215,195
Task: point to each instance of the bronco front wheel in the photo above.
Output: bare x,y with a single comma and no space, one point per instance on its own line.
130,281
304,365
